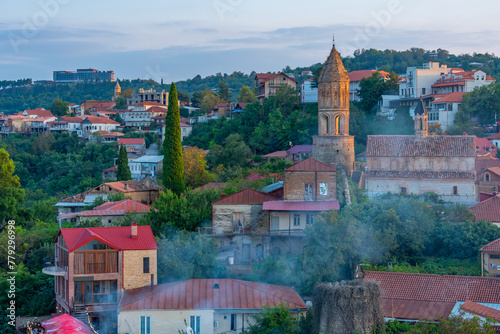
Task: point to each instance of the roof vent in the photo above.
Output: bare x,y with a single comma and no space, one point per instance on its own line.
216,286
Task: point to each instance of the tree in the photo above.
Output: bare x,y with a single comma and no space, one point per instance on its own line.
273,320
195,168
121,103
183,97
483,103
209,101
59,107
246,95
223,91
123,171
11,194
234,153
370,91
196,99
186,255
127,93
173,169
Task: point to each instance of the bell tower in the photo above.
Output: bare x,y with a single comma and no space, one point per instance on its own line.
333,143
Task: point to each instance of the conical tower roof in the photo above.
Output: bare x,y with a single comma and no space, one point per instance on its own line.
117,86
333,70
421,109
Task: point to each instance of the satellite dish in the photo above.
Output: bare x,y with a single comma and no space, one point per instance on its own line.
189,330
309,304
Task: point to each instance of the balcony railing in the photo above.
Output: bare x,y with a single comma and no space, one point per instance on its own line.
54,270
286,232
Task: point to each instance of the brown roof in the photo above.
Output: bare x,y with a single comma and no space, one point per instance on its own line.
429,287
210,294
132,185
487,210
420,174
277,154
492,246
453,97
416,309
480,310
245,196
494,170
481,164
71,119
431,146
100,120
311,165
333,69
494,136
132,141
358,75
264,77
40,112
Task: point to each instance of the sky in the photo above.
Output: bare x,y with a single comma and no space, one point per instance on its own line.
178,39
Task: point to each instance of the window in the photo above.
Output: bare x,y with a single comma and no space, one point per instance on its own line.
403,191
323,189
194,323
145,325
237,221
455,190
308,192
487,177
145,265
296,219
275,223
233,322
423,91
309,219
495,256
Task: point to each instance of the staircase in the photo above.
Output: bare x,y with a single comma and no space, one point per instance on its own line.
80,313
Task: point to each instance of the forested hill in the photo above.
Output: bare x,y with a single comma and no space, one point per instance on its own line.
19,95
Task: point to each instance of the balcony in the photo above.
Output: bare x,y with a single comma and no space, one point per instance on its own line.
52,270
297,232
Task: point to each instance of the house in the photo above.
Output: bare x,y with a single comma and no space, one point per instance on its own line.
490,259
106,137
186,130
267,84
37,112
148,96
484,146
459,80
107,213
417,164
109,173
275,155
93,267
86,106
67,124
13,124
40,124
495,139
239,221
488,209
416,297
91,124
310,187
137,118
146,166
488,180
138,144
355,78
216,306
222,109
308,93
145,191
444,108
300,152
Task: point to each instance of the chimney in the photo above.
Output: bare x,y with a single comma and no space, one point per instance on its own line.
133,233
126,186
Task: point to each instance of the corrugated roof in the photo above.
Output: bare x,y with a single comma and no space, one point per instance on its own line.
310,165
480,310
131,141
487,210
429,287
492,246
116,237
149,158
453,97
301,148
410,146
277,154
405,309
301,205
202,294
246,196
127,205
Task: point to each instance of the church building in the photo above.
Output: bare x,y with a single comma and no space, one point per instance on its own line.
333,145
421,163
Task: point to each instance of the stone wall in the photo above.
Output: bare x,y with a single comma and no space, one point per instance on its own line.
335,149
133,275
295,181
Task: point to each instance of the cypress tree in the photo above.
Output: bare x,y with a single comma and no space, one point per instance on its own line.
173,167
123,171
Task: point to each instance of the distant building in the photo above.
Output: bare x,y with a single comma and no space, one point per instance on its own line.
308,93
83,75
150,95
146,166
139,144
355,78
267,84
490,254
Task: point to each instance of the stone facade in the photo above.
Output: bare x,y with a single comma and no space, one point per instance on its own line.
488,181
333,143
295,186
133,267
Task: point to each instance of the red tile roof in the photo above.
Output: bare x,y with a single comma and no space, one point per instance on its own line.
429,287
127,205
100,120
131,141
264,77
492,246
277,154
481,164
40,112
487,210
494,136
494,170
111,169
116,237
405,309
203,294
310,165
449,98
358,75
246,196
480,310
483,145
132,185
410,146
301,205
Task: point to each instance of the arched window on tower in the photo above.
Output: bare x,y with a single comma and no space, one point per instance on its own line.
337,125
421,124
327,125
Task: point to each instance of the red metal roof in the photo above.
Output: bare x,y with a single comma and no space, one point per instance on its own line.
203,294
480,310
301,205
405,309
492,246
100,120
310,165
127,205
131,141
448,98
487,210
429,287
246,196
358,75
116,237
